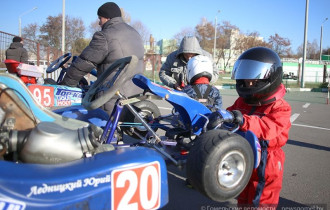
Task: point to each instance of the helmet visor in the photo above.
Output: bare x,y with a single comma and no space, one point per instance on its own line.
251,69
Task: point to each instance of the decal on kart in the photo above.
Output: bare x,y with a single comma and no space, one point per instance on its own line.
7,204
136,187
53,95
70,186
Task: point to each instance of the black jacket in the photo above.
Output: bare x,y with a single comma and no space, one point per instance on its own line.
116,40
17,52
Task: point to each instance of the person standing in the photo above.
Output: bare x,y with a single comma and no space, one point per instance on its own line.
262,109
173,71
116,40
16,51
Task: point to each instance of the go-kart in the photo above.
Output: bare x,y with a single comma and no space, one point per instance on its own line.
47,92
52,162
218,158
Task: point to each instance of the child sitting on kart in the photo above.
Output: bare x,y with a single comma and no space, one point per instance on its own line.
199,74
262,109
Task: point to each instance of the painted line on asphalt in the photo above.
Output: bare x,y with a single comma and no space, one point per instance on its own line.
306,105
294,117
177,176
309,126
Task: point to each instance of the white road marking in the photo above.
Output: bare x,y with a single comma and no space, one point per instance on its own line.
306,105
309,126
294,117
177,176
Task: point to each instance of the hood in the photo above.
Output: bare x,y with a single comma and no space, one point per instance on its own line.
189,44
15,45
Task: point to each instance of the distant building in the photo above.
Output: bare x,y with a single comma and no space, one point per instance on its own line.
166,46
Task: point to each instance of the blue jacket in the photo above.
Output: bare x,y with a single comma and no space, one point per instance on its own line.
214,99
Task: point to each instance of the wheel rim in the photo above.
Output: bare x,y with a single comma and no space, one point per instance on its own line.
231,169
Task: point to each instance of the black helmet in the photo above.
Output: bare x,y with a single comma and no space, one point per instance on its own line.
260,64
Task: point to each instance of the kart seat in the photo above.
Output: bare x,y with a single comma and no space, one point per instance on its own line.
12,65
18,103
190,109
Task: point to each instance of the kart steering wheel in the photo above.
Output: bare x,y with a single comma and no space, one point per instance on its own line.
58,63
122,67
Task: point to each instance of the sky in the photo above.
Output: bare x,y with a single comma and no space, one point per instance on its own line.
164,19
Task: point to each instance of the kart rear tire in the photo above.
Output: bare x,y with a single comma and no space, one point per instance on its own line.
220,164
148,110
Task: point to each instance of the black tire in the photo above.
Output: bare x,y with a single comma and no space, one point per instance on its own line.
220,152
147,109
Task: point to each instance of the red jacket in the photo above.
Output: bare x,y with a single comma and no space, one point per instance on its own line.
268,122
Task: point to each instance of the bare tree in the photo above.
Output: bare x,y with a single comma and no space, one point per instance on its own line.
142,29
312,50
79,45
94,27
180,35
75,30
31,32
249,40
280,45
228,34
205,34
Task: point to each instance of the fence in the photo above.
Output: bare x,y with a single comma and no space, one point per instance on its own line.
36,51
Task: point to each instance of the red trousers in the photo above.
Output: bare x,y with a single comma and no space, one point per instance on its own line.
266,181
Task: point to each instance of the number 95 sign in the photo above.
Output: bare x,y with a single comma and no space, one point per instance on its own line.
43,94
136,187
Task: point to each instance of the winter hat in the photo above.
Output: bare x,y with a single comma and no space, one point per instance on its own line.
109,10
17,39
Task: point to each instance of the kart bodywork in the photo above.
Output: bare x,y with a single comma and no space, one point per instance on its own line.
218,159
52,162
49,95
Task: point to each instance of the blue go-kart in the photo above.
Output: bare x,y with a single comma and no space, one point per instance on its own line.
51,162
218,159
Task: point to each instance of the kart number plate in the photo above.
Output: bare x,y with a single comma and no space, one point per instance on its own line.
43,94
136,187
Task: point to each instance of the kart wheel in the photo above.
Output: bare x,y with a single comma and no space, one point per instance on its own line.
220,164
147,110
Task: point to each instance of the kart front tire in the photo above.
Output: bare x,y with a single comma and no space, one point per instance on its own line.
220,164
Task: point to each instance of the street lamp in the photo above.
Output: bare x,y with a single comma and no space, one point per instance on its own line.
20,19
321,38
215,35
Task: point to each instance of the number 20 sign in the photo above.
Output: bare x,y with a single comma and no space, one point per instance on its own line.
136,187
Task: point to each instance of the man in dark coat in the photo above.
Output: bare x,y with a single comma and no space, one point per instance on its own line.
16,51
116,40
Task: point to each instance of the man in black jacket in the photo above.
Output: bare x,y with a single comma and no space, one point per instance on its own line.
116,40
16,51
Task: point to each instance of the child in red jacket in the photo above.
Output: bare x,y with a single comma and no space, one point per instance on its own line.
258,75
